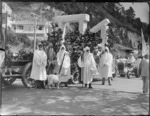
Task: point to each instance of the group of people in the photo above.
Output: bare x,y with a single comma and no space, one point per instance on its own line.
48,62
99,62
91,64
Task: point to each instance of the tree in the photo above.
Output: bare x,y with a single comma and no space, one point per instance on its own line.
130,14
137,24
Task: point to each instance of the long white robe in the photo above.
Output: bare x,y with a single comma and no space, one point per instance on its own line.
89,67
2,57
39,65
98,65
65,70
106,65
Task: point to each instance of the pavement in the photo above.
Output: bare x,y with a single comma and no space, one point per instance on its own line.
124,97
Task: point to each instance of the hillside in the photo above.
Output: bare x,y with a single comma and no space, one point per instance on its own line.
98,11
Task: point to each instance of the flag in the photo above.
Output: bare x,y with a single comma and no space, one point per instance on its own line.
144,47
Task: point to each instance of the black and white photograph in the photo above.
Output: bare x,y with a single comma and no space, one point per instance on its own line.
74,58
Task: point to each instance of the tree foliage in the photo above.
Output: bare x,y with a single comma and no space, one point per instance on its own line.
97,10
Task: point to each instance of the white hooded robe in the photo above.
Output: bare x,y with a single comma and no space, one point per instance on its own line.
89,65
65,70
106,62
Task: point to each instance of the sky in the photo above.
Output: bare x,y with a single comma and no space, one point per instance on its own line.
141,10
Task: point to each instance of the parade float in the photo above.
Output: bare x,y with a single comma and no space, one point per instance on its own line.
19,52
21,64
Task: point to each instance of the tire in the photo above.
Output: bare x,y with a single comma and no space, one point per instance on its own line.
75,78
26,80
75,72
8,80
129,73
136,72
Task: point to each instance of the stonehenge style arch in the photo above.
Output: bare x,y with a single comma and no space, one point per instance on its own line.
82,19
103,27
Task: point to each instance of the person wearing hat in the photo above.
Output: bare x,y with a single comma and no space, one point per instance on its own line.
144,73
89,65
130,60
106,62
51,59
38,71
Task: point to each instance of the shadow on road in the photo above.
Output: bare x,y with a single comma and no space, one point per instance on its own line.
72,100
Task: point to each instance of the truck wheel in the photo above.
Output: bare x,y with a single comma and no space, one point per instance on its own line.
8,80
75,78
26,80
129,73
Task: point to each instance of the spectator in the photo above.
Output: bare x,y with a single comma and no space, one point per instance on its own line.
106,66
130,60
139,45
144,73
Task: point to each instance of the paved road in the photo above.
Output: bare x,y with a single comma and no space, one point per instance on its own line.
124,97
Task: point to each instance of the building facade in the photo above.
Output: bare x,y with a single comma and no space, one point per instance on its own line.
27,27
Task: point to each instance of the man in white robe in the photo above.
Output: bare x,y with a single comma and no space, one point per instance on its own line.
63,60
38,72
89,65
106,66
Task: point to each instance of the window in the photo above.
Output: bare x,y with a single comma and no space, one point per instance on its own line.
20,27
40,27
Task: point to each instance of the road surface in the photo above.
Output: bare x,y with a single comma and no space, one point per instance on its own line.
124,97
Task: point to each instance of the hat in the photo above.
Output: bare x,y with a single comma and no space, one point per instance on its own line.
107,49
86,48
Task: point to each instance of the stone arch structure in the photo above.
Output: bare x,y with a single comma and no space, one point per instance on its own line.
82,19
103,26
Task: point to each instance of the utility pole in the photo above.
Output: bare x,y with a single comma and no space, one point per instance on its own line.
35,25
